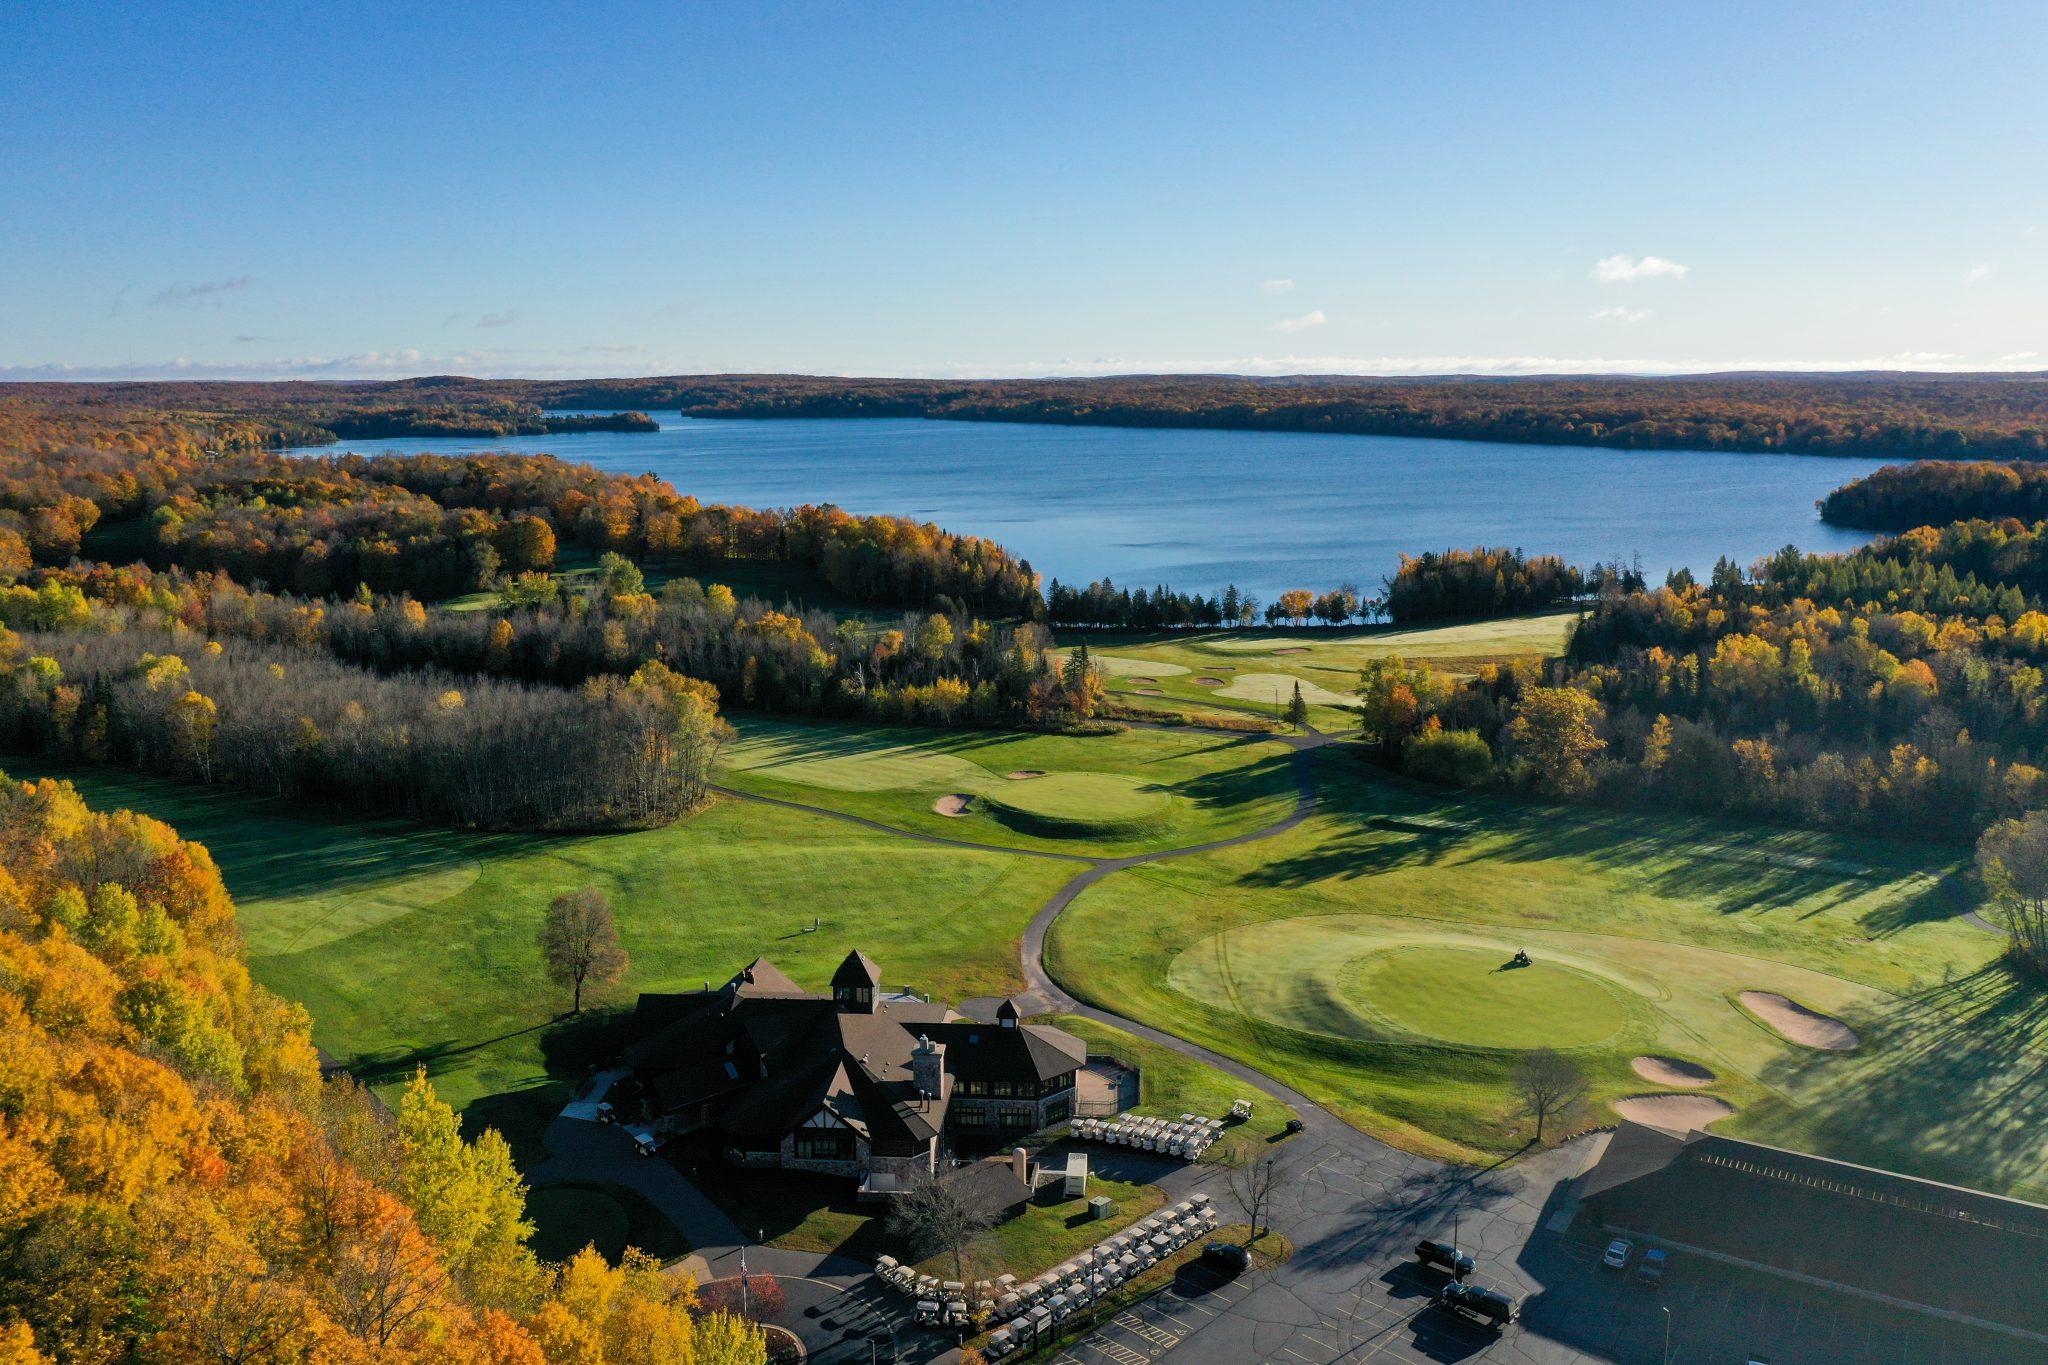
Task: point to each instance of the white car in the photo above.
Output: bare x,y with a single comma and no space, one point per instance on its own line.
1619,1252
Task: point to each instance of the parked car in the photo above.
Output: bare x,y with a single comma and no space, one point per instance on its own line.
1620,1252
1443,1256
1227,1256
1488,1306
644,1141
1651,1271
1296,1126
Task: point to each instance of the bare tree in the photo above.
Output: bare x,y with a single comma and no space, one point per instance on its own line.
579,943
1251,1179
1549,1085
932,1217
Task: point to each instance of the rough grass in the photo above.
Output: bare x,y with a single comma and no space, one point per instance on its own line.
1110,794
1677,914
452,980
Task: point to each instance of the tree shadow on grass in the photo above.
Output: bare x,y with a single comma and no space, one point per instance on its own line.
1384,822
573,1047
1953,1088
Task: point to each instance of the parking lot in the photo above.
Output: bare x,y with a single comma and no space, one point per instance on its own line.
1354,1292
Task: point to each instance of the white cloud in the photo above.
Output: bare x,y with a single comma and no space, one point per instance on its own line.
1619,314
1282,286
1313,318
505,319
1624,270
186,295
1977,274
2018,357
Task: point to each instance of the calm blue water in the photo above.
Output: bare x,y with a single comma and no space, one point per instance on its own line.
1199,509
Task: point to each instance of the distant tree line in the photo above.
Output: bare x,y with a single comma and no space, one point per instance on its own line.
1883,415
1434,586
1929,416
1103,603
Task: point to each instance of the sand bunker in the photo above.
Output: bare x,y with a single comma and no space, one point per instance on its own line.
1025,774
1672,1072
1674,1113
1147,692
955,806
1798,1024
1208,682
1293,649
1136,679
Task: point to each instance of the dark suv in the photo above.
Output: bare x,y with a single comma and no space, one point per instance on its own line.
1445,1257
1489,1306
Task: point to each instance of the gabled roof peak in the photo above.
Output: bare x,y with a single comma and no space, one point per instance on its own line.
859,971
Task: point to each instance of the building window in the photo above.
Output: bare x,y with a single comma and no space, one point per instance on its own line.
1014,1117
1057,1111
824,1144
970,1118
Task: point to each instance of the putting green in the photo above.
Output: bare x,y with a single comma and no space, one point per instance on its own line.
1471,997
1075,803
1325,975
1266,686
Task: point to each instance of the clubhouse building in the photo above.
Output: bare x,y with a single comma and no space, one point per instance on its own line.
860,1083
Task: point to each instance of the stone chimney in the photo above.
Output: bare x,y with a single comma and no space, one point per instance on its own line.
928,1069
1021,1164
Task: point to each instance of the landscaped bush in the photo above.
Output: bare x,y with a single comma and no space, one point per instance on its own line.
1458,758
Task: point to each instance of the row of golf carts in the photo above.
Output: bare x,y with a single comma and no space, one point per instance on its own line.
1037,1306
1186,1138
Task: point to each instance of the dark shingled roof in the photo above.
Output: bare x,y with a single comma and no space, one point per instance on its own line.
1919,1240
781,1055
991,1186
990,1052
859,970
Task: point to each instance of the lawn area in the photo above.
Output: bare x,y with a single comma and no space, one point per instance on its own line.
1257,669
1108,794
412,945
1356,956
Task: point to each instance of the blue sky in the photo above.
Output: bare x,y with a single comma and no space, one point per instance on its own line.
502,189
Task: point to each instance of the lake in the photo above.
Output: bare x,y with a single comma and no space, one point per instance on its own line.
1200,509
